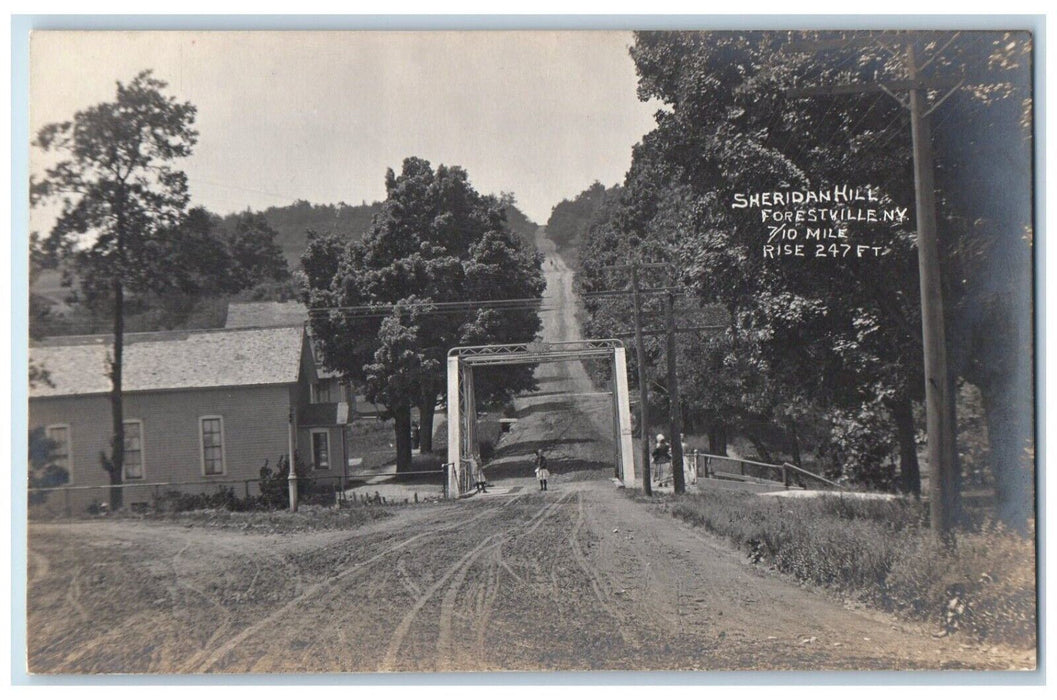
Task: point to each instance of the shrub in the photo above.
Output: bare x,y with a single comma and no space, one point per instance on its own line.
43,472
224,497
275,487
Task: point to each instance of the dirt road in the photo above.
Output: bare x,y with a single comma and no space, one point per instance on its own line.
580,577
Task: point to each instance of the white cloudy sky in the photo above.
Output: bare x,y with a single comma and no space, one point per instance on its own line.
321,115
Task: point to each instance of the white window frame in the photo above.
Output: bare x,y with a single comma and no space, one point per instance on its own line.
202,446
142,454
315,391
312,446
69,446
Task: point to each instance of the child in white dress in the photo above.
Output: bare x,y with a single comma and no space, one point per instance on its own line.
542,473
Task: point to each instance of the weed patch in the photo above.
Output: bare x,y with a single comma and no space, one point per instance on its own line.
306,519
882,553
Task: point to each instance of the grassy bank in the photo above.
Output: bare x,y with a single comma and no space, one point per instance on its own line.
882,553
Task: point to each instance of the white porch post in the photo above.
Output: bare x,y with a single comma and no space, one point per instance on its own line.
454,421
623,406
291,476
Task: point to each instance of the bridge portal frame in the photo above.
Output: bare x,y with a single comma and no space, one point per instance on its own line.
462,404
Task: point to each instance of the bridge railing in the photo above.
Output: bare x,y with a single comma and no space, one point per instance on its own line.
709,466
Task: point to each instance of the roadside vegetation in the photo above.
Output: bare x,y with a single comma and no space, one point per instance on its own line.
306,519
882,554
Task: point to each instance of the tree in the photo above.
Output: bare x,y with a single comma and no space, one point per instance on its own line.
254,252
118,190
822,334
847,337
519,223
43,472
436,240
200,258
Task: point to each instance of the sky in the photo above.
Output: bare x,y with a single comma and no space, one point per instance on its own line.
320,116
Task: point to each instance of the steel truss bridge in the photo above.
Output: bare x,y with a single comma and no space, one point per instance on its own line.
463,448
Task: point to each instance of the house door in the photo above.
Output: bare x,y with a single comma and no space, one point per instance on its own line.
321,449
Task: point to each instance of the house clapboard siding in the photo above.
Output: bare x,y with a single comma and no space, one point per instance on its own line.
246,383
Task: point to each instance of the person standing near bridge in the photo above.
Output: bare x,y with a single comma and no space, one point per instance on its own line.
542,473
662,456
479,480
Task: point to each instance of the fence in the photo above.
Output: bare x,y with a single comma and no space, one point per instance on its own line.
722,467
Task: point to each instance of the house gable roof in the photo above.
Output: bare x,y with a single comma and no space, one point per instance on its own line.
267,314
171,360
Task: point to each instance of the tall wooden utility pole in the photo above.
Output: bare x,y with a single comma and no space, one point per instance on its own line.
675,408
675,415
941,433
945,499
644,394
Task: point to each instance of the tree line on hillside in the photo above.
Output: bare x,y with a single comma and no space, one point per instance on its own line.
293,222
828,353
570,219
244,256
189,270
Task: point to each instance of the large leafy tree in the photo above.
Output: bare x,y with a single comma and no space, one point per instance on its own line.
436,241
846,336
118,189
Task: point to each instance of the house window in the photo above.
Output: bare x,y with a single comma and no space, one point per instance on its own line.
321,449
212,433
321,392
61,455
133,449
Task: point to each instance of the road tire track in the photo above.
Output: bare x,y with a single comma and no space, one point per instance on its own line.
458,572
224,649
39,567
491,594
73,595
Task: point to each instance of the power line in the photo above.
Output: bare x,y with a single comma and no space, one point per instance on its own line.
626,292
426,307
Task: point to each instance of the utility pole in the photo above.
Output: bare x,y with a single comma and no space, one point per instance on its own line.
675,408
675,415
945,499
644,405
941,435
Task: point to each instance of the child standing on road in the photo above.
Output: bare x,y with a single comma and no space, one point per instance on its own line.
542,472
477,474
